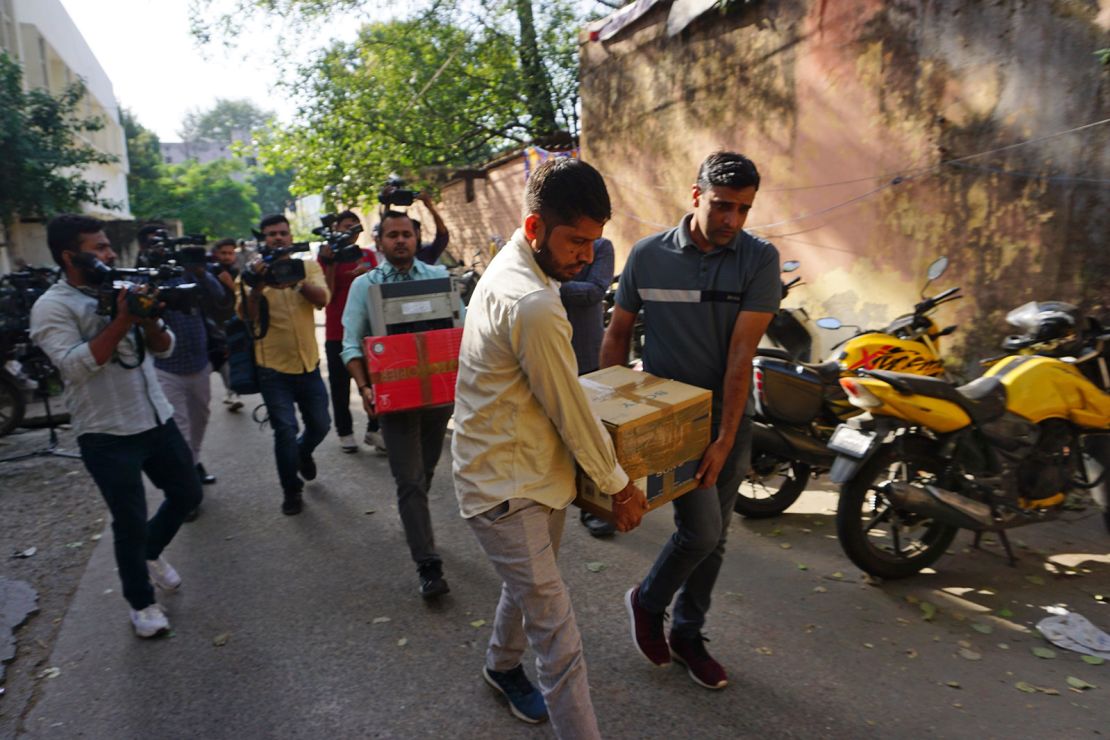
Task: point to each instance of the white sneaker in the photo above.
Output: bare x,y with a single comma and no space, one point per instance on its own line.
347,443
150,622
375,440
163,574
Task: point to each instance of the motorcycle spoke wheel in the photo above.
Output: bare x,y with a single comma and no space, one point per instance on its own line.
771,487
880,538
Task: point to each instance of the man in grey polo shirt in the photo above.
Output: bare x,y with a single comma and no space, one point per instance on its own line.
708,290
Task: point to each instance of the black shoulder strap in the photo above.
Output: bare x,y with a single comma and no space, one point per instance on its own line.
263,314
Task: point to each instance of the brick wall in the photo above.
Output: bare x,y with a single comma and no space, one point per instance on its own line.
480,226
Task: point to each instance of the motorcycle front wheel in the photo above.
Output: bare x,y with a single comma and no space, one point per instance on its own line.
877,536
772,486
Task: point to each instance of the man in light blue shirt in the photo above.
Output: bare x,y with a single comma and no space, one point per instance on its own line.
414,439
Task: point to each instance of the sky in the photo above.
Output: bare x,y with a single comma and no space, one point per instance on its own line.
160,74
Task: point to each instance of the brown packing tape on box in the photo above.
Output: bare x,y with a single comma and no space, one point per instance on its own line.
643,443
423,370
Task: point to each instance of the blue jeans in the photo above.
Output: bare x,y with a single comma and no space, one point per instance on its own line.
690,561
414,440
117,464
283,393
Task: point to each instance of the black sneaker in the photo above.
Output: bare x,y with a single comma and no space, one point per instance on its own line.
205,477
432,584
306,466
597,526
525,702
293,503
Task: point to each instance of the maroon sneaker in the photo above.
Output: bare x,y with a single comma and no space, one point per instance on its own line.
691,652
647,630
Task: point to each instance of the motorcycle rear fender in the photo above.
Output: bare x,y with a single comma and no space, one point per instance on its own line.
934,413
790,443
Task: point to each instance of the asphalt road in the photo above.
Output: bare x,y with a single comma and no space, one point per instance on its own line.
310,626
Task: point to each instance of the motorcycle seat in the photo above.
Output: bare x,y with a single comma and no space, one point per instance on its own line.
829,372
983,399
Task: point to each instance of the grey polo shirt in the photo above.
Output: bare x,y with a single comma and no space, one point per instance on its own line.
691,300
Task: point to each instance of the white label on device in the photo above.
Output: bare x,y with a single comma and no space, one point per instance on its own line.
408,309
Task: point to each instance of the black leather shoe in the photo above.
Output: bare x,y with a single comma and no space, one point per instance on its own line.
307,466
597,526
432,584
192,515
205,477
293,504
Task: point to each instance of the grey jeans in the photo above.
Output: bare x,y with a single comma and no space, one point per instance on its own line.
690,561
189,395
521,539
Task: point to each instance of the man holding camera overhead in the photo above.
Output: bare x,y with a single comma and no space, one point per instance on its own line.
123,422
284,294
343,261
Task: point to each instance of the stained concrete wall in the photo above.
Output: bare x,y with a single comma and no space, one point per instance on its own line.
849,109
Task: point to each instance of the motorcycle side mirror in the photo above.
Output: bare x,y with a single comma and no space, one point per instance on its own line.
829,322
791,265
936,269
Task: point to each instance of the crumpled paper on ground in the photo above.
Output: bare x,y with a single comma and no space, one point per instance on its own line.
1075,632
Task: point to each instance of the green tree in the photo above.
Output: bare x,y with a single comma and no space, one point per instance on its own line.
272,189
144,158
226,121
448,86
211,198
42,151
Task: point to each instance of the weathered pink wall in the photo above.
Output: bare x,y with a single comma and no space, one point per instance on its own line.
833,100
481,226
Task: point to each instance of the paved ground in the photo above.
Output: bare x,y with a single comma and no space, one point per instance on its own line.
310,626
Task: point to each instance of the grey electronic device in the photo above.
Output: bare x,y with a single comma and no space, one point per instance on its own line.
434,304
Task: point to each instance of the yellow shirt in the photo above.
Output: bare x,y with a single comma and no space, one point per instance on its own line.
522,419
290,343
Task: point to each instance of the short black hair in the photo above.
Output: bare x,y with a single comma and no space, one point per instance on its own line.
729,170
63,233
150,227
564,189
396,214
273,218
344,215
224,243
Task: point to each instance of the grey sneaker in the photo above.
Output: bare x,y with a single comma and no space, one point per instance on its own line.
150,622
163,575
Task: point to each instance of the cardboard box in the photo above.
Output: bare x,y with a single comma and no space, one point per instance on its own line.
412,371
660,429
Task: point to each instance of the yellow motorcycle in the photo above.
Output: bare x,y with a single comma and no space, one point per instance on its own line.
1003,451
799,404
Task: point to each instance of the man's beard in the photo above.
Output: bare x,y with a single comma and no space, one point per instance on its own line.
546,262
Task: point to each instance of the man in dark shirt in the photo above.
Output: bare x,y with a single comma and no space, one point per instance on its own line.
708,290
339,276
584,300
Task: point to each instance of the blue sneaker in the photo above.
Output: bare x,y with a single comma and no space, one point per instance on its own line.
525,702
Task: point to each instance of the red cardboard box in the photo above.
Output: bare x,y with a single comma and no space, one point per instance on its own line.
412,371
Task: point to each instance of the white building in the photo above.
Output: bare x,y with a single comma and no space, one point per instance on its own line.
41,36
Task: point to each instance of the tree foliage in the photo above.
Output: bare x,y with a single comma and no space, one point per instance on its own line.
42,149
144,158
227,121
450,85
211,198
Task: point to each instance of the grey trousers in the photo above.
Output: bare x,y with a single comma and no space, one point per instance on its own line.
521,539
189,395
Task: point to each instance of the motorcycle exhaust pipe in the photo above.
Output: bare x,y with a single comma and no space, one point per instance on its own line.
940,504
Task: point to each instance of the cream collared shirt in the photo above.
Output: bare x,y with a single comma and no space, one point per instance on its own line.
521,418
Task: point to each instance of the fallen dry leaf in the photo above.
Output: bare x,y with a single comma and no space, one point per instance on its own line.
221,639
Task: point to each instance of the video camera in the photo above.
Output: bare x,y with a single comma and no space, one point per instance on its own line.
395,194
146,298
341,243
278,271
181,250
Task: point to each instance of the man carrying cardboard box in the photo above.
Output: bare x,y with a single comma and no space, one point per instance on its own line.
521,422
413,439
708,290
